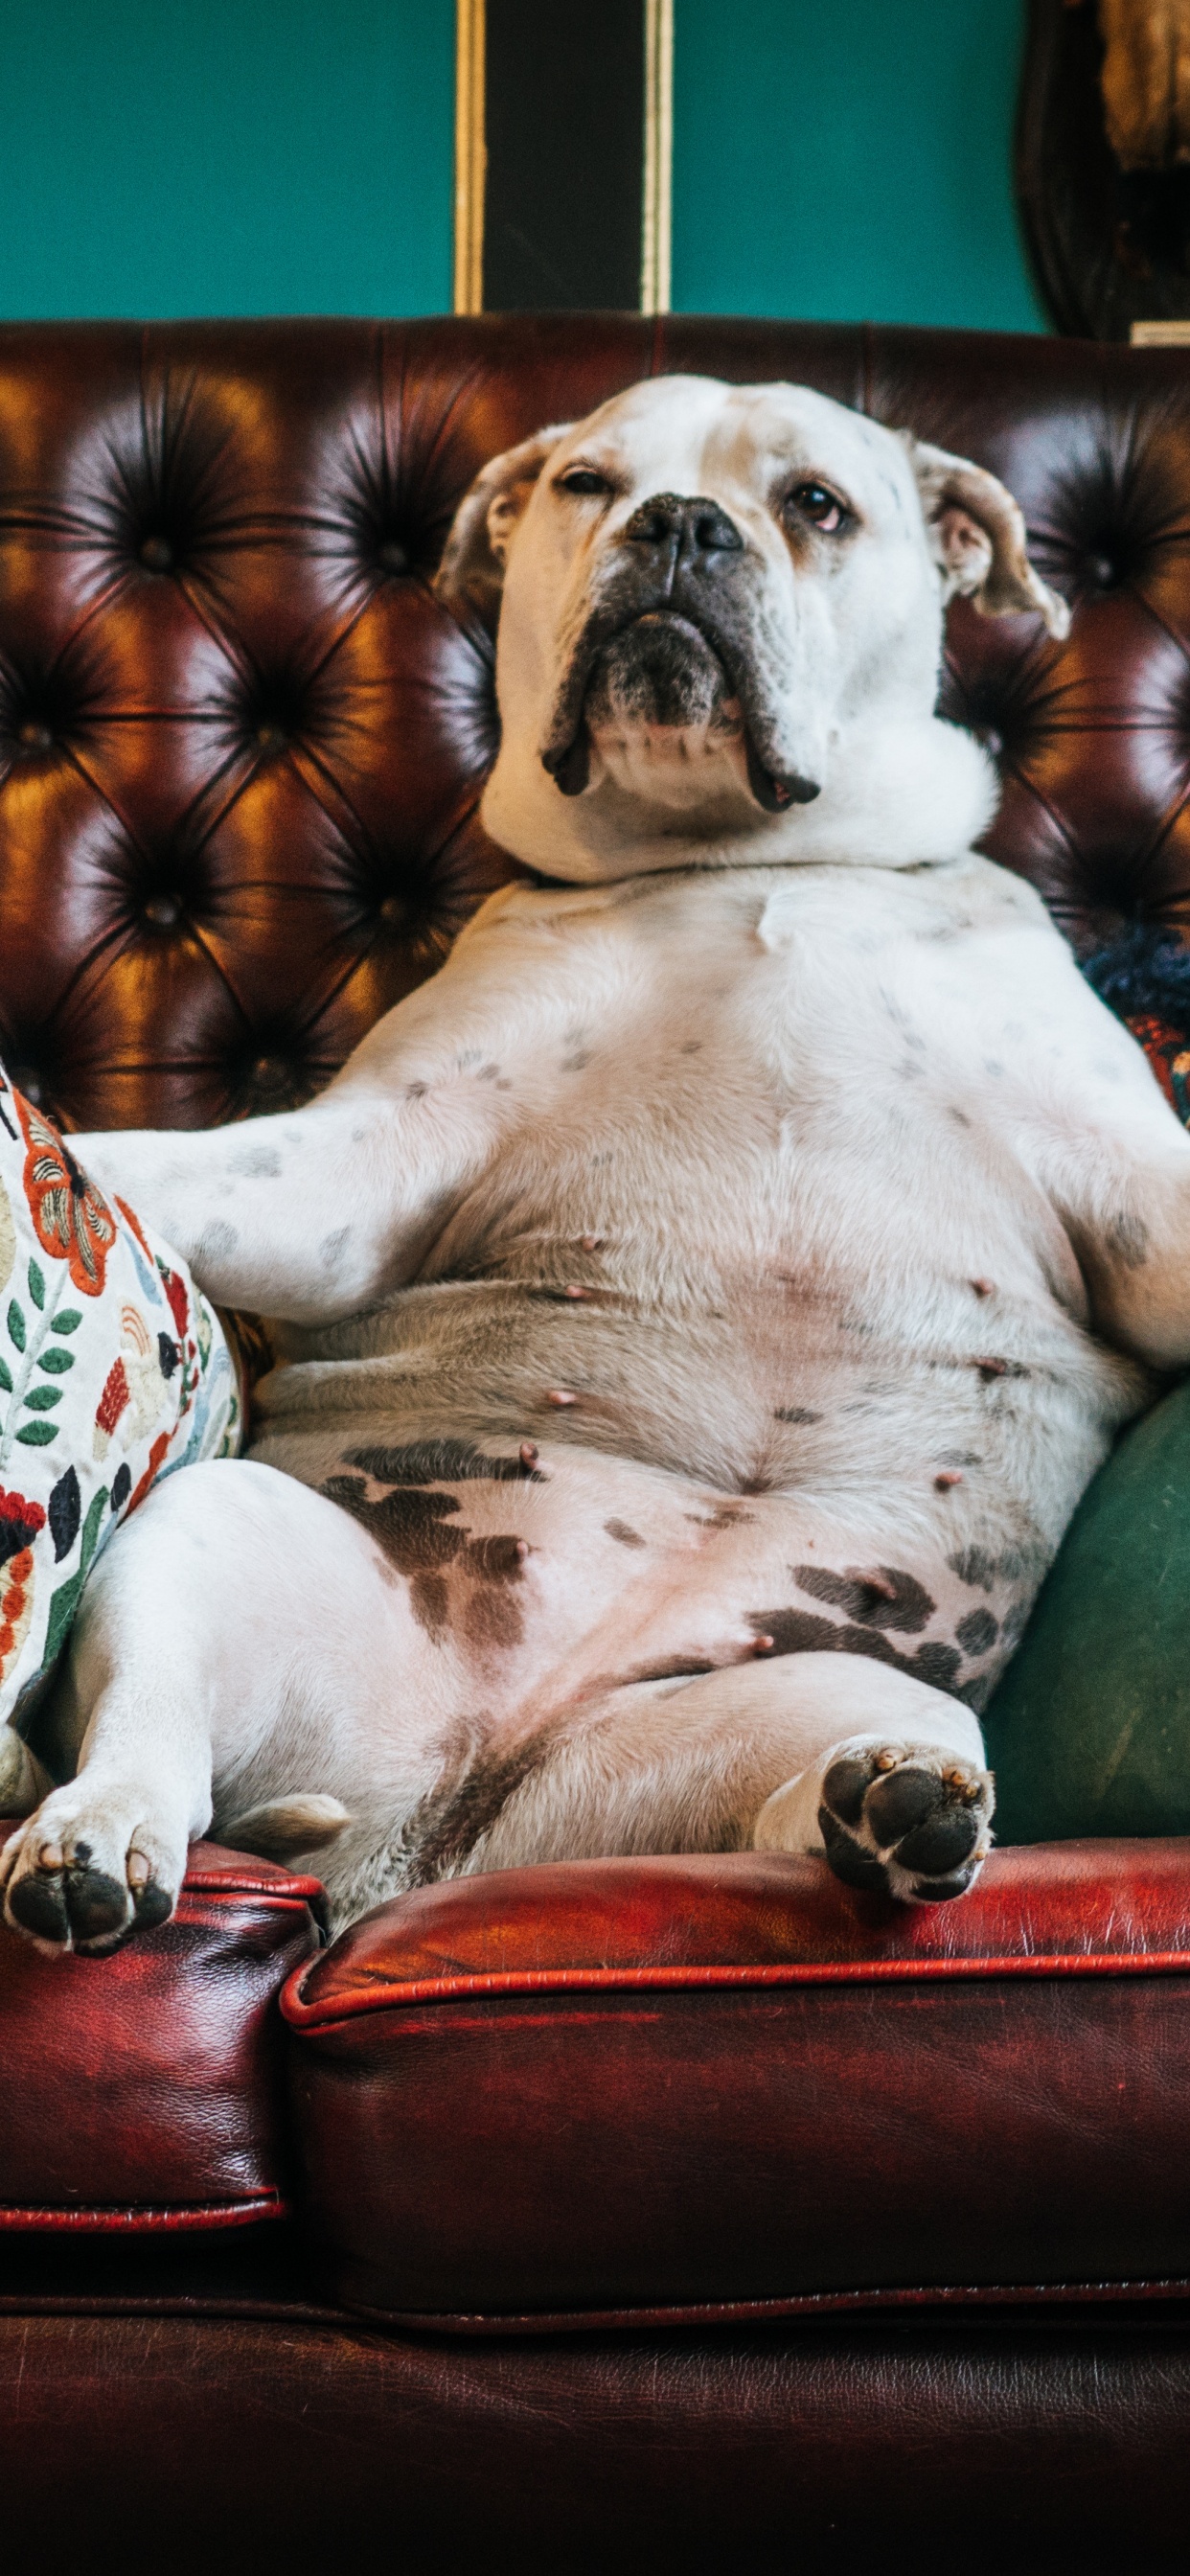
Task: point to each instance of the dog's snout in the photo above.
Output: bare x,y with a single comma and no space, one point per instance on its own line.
683,530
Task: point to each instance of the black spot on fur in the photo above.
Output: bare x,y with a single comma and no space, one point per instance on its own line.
419,1534
442,1462
974,1566
407,1523
798,1632
977,1632
443,1831
669,1668
796,1413
494,1560
911,1607
621,1531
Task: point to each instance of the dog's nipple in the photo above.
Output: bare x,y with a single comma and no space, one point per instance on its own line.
529,1453
950,1476
984,1287
560,1395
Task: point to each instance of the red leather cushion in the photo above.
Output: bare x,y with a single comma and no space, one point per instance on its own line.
142,2091
730,2083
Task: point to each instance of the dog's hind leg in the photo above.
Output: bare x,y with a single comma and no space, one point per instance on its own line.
231,1637
827,1753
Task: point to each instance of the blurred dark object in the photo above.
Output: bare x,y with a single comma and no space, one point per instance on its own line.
1103,162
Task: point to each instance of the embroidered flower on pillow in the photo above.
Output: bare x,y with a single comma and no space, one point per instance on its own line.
113,1371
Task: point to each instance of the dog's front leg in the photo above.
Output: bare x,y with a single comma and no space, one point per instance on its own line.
319,1213
105,1853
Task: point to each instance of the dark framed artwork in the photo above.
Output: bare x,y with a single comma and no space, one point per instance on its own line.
1109,245
562,156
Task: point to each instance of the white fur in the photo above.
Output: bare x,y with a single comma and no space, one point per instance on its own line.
880,1219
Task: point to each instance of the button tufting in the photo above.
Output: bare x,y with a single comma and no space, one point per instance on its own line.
270,1073
393,556
163,910
26,1078
157,554
271,738
35,737
395,913
1103,571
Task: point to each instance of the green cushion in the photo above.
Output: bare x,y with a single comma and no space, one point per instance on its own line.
1089,1730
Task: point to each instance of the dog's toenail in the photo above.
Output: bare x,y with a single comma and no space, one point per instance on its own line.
50,1856
887,1760
138,1869
971,1794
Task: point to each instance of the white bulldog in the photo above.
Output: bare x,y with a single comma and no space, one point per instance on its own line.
702,1305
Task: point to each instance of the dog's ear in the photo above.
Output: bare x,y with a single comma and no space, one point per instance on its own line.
977,537
472,567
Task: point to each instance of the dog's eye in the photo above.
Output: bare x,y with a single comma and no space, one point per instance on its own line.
824,509
583,478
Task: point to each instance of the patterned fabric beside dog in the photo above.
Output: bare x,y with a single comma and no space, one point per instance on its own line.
114,1370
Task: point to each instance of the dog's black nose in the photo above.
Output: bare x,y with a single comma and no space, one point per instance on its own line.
683,530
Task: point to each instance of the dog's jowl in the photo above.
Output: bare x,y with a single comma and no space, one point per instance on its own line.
700,1307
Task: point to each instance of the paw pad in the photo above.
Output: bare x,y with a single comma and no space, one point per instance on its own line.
892,1821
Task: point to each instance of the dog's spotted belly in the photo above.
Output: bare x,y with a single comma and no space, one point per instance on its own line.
548,1575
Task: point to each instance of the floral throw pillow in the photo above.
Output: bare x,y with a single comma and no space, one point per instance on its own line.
113,1371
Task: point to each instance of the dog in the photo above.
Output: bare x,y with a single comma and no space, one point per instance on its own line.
699,1308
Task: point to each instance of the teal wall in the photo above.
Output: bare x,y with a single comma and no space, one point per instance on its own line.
838,159
164,157
832,158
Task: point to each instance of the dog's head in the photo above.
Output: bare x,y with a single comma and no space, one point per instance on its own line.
719,624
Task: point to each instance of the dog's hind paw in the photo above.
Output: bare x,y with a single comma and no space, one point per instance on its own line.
91,1868
907,1820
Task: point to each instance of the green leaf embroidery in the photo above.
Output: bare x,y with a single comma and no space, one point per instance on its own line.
37,1284
35,1434
68,1321
91,1529
62,1610
16,1326
57,1362
42,1399
5,1377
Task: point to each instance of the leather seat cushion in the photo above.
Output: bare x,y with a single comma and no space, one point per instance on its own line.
142,2091
1089,1730
731,2086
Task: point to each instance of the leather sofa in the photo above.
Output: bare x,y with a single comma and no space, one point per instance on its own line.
688,2212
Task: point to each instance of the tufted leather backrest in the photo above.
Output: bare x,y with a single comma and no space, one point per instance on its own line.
242,748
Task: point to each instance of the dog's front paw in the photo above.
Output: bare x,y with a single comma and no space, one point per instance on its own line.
90,1868
906,1819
